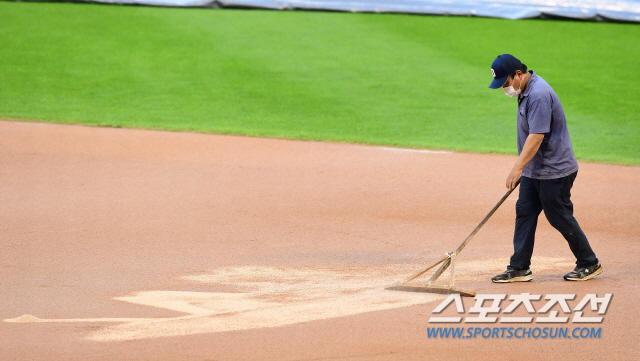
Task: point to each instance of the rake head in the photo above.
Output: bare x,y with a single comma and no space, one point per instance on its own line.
415,287
448,260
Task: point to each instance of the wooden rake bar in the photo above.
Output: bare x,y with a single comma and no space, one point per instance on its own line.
446,261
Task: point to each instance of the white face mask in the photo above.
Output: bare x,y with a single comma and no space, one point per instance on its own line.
510,91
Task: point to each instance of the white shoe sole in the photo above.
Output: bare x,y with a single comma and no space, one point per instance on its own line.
516,279
597,272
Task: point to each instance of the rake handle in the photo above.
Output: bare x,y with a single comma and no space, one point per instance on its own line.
486,218
419,273
447,258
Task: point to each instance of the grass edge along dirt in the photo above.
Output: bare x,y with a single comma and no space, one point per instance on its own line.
381,79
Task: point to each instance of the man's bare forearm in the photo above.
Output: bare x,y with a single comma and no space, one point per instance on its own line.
530,148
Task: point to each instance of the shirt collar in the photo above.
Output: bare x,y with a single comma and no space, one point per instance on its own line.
532,81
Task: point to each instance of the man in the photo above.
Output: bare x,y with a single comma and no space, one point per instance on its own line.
546,167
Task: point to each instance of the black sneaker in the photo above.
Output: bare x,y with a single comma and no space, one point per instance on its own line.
512,275
583,274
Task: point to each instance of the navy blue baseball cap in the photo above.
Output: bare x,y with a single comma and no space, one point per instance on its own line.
501,68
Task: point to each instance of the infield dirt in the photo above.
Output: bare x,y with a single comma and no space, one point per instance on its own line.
145,245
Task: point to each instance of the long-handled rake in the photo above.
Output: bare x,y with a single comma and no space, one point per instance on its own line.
448,260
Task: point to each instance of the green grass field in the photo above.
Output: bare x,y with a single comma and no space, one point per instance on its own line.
399,80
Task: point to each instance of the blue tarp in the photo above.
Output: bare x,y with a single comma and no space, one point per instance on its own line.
598,10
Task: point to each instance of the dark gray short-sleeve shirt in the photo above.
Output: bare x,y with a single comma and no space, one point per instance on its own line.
540,112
